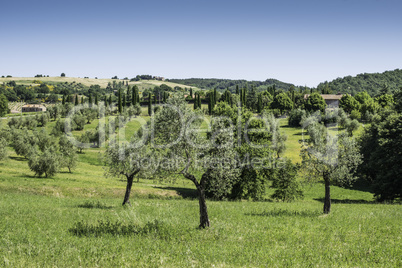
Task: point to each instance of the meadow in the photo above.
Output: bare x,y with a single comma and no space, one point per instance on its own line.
77,219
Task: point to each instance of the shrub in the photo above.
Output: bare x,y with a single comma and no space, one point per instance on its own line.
284,180
3,148
295,116
44,163
351,126
355,114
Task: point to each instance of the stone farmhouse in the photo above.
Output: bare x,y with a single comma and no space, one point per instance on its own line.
33,108
331,100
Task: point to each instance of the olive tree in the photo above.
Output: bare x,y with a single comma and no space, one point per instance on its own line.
175,129
46,162
331,158
68,153
127,160
3,148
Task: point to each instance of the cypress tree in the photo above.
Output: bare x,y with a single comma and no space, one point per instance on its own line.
82,100
63,101
237,89
199,101
210,104
293,98
90,99
259,108
110,100
212,101
124,101
76,100
105,100
133,96
215,96
120,106
195,101
191,92
149,104
245,96
96,100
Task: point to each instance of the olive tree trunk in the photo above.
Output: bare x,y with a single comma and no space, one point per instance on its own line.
128,190
327,199
204,219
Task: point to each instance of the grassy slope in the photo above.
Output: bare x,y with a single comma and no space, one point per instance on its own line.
37,213
89,81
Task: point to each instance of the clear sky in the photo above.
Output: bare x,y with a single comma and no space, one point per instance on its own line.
302,41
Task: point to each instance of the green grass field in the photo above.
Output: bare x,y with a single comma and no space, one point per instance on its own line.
77,219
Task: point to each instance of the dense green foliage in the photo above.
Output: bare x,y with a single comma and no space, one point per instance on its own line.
373,83
381,148
222,84
331,158
3,105
315,102
287,188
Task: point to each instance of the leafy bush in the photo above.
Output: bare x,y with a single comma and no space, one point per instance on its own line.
3,148
295,117
352,125
355,114
287,187
44,163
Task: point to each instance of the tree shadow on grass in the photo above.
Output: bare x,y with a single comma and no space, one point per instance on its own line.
93,204
183,192
285,213
156,229
347,201
33,176
18,158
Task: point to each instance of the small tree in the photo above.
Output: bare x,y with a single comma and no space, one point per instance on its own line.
3,148
284,180
124,160
334,159
20,143
63,75
149,104
282,102
216,157
349,103
43,119
44,163
381,148
352,125
3,105
78,122
68,153
83,140
137,110
315,102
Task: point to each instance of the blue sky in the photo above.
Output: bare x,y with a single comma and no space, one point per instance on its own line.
301,42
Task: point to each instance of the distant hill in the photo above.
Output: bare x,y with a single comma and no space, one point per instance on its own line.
222,84
370,82
86,82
